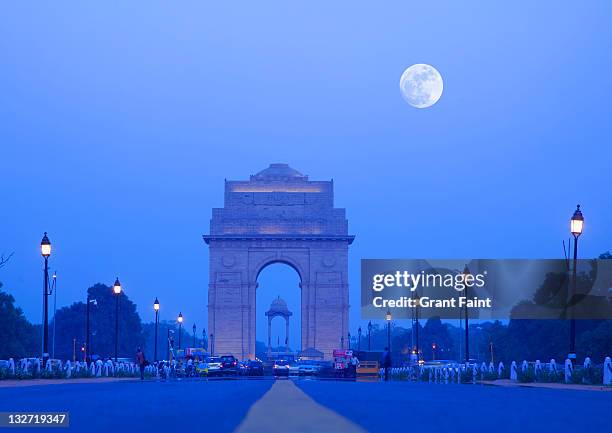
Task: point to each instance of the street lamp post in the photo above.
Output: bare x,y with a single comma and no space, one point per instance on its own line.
433,351
212,344
576,226
156,308
204,342
466,272
369,335
349,341
45,251
194,335
359,339
180,322
87,351
388,317
416,333
117,292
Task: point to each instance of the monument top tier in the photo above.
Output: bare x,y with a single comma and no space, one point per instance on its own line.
279,172
278,201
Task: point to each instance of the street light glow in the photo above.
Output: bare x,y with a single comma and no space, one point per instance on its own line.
117,287
45,246
156,305
180,318
577,222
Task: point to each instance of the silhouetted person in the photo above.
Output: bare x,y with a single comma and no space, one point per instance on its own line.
386,358
140,359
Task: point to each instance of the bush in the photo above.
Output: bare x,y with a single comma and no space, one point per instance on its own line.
528,376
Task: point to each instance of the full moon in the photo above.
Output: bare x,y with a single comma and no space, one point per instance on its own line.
421,85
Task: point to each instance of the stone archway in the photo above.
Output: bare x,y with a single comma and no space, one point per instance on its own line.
278,216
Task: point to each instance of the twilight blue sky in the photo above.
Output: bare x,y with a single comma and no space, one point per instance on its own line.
119,122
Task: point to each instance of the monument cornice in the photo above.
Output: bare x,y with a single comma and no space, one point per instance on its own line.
277,237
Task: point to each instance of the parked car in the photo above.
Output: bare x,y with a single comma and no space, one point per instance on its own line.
214,366
254,367
242,368
293,369
280,368
309,368
229,365
201,368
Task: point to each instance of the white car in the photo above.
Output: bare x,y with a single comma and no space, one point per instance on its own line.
309,369
214,366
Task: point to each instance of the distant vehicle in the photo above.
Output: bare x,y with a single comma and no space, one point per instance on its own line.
229,364
369,363
280,368
254,367
308,368
201,368
293,369
214,366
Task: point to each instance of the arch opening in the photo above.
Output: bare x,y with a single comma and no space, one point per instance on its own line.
278,311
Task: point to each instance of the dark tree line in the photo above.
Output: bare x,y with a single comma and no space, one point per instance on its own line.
18,337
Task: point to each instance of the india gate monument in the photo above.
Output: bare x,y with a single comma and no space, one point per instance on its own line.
278,216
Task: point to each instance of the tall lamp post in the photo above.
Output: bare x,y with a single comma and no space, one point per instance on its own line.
212,344
388,317
359,339
204,341
117,292
180,322
416,333
45,251
87,351
156,308
369,335
576,226
194,335
466,272
349,340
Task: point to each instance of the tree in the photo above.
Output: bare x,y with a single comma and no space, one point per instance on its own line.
18,338
71,325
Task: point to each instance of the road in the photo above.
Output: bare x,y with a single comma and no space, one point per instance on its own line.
296,406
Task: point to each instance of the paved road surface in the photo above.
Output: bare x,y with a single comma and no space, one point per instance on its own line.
303,406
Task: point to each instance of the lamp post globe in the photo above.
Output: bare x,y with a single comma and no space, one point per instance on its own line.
117,287
45,251
577,222
45,246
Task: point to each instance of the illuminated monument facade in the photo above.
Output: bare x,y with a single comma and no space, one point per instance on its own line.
278,216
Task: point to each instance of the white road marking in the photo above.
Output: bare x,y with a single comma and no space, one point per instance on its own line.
286,408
